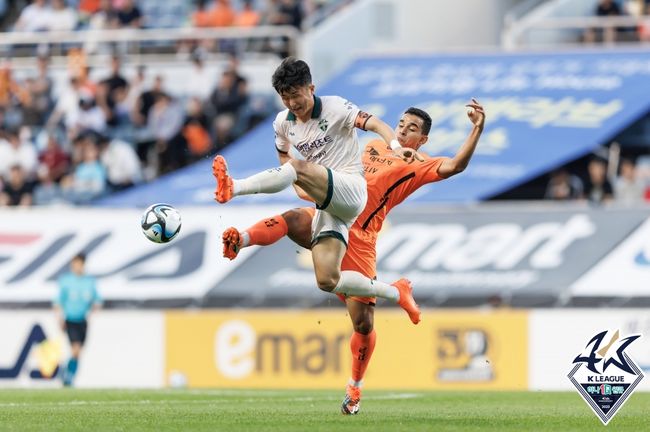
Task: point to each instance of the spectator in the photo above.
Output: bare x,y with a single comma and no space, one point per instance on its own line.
644,27
608,34
121,162
248,17
62,17
89,116
4,13
629,189
195,130
46,191
17,151
88,180
146,101
67,107
53,161
202,17
223,15
226,101
136,87
285,12
76,298
112,95
13,97
104,18
16,191
598,189
116,80
89,7
129,15
165,122
199,79
564,186
34,17
40,95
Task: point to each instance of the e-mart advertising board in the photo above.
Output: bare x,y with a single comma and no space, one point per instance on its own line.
310,349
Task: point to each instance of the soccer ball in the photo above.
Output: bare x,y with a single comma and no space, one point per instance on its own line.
161,223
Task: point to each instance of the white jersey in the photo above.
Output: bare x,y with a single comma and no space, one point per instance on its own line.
328,138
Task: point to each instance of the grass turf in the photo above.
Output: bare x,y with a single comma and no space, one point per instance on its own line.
286,410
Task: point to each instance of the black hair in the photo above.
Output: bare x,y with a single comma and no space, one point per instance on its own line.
80,256
426,118
291,73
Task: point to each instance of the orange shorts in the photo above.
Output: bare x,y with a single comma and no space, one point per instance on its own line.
356,260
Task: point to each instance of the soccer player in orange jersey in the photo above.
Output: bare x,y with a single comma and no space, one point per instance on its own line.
390,181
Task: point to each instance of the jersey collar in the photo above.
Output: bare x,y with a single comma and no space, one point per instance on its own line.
315,112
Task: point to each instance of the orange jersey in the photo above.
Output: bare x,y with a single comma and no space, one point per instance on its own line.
390,181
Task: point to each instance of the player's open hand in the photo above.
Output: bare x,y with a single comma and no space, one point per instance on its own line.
476,113
407,154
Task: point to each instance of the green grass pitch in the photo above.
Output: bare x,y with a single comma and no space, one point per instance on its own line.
286,410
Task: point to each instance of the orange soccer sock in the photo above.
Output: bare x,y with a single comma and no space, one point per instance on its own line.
266,232
362,347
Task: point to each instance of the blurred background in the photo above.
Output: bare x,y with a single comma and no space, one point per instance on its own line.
108,106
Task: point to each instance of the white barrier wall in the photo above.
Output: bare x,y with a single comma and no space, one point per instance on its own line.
123,349
556,337
460,349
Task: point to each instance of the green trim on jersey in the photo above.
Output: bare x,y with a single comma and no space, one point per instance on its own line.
315,112
330,191
331,233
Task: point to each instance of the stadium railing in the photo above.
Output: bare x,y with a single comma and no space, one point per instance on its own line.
529,32
136,40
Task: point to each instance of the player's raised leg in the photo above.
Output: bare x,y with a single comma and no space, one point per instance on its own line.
311,177
270,181
327,253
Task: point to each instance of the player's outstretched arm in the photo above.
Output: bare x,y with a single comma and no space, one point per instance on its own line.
452,166
378,126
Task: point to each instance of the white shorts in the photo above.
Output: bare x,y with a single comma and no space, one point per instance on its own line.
346,198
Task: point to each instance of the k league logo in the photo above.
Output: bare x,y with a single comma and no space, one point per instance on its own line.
605,375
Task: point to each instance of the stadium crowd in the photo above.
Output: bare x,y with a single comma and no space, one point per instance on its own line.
68,15
632,8
104,135
100,134
625,181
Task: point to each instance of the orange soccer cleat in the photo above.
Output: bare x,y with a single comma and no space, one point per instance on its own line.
352,402
231,243
406,300
223,192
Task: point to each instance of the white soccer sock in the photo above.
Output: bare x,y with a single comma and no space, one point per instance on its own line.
355,383
270,181
244,239
356,284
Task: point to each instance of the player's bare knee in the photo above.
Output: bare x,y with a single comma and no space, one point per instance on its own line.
292,218
363,322
327,282
363,326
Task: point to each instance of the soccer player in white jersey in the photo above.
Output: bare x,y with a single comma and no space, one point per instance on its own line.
322,130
